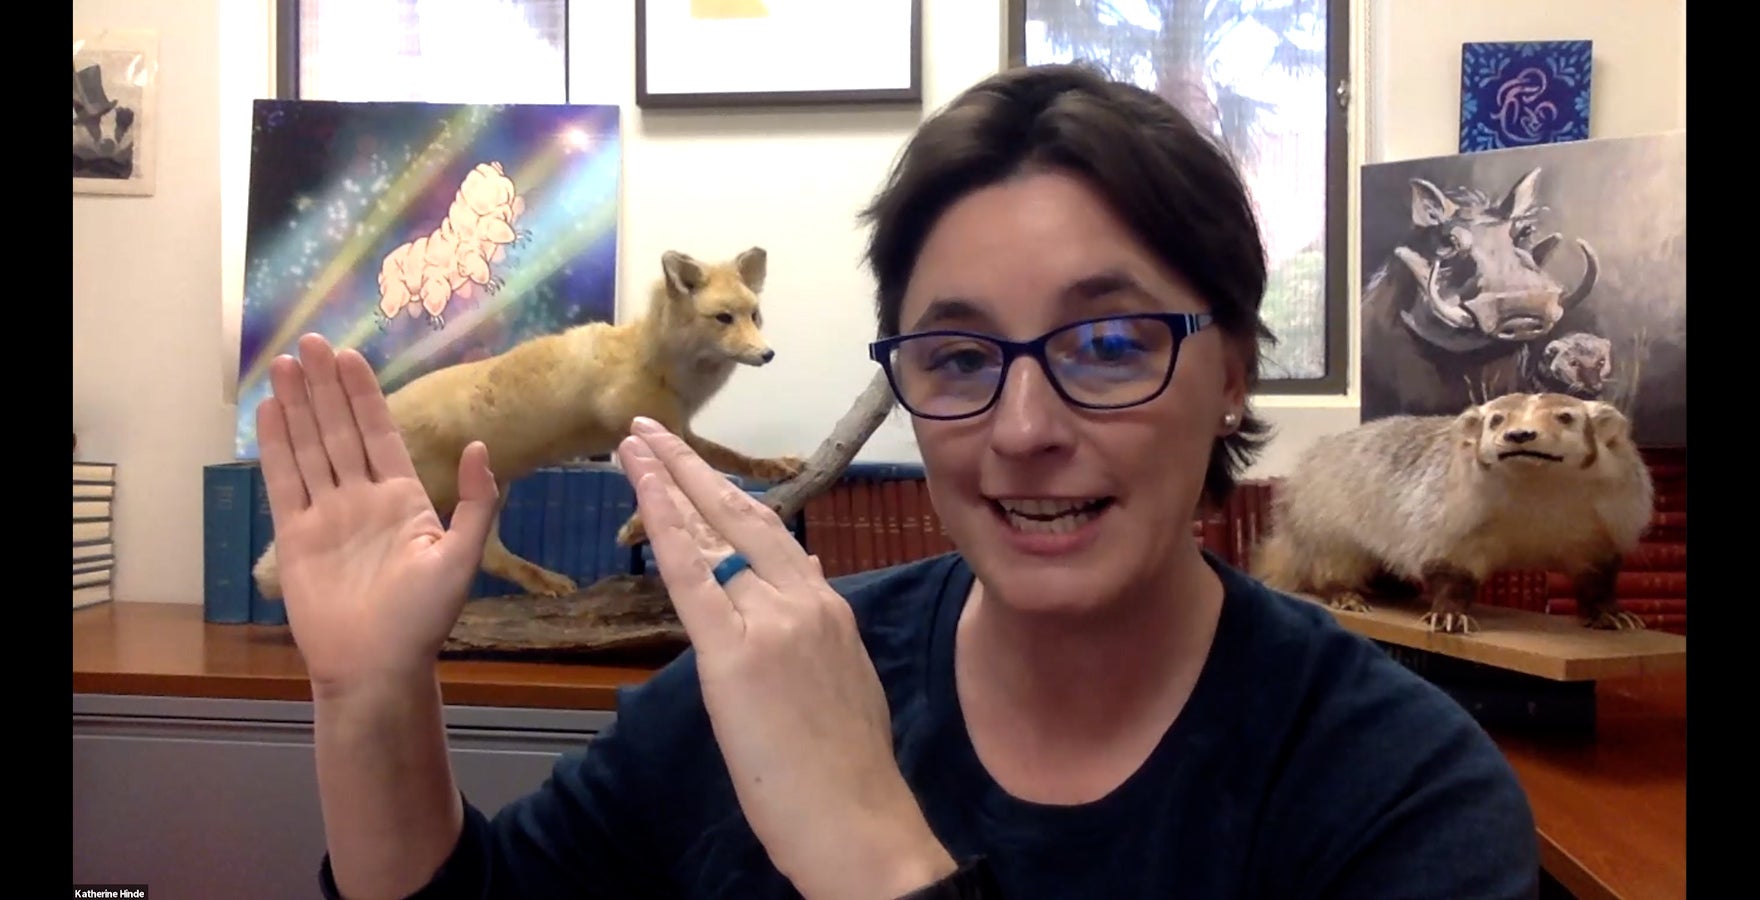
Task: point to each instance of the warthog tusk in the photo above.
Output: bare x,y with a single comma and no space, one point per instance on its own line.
1426,274
1591,271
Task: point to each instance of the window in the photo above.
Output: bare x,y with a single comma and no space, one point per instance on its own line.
1267,74
436,51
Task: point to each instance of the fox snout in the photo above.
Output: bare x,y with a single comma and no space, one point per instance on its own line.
756,356
745,344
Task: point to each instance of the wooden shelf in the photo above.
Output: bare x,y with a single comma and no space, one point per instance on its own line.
1548,646
165,649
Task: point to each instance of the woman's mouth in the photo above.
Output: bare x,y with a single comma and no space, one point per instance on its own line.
1049,515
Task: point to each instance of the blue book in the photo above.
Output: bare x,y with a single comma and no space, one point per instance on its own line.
642,558
617,503
227,510
601,542
546,545
568,535
868,471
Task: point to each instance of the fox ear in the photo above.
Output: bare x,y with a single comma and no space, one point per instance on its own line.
683,274
753,265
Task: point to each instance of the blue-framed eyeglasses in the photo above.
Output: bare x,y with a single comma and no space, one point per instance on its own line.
1112,362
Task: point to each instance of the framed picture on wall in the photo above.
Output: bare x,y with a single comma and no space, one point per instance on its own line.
115,111
720,53
476,51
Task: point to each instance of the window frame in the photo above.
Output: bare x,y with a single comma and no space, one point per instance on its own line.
1335,377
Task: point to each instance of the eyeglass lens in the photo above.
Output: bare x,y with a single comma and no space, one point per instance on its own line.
1112,362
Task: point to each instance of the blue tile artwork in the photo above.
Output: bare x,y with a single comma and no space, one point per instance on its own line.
1523,93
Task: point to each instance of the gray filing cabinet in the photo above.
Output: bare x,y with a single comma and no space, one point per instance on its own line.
206,799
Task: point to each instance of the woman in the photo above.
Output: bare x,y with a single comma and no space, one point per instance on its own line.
1078,703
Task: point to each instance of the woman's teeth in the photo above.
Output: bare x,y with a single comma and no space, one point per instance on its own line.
1059,525
1049,516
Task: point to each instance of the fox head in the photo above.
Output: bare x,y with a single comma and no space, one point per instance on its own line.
715,305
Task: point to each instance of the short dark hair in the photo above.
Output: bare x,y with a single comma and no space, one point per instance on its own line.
1171,182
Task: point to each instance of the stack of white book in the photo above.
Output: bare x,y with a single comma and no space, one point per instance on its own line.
94,548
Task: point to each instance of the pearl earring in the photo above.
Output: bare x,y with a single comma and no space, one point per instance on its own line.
1231,419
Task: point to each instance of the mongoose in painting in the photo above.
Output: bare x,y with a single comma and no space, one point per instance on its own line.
1524,481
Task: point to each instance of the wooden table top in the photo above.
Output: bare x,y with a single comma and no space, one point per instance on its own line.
165,649
1612,812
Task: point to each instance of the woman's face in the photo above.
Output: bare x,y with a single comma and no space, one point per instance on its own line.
1017,260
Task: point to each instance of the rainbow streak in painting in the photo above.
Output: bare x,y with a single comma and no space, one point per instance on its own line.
423,235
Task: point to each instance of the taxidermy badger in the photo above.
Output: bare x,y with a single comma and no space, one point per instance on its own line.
1524,481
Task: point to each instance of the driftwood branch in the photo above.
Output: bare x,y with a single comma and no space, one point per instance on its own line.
836,452
624,618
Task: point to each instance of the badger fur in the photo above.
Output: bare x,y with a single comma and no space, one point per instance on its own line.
1441,503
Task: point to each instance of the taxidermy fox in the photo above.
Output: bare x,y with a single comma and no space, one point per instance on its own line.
573,394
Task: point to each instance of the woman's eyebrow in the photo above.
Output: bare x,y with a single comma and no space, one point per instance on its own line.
1109,284
943,311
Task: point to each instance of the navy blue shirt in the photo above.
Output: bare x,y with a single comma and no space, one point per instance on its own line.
1306,764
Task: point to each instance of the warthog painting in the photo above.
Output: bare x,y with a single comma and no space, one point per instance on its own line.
1560,268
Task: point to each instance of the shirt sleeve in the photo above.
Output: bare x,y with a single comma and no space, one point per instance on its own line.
607,821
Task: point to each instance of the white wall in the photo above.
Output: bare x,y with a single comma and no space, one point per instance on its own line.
146,311
157,280
711,183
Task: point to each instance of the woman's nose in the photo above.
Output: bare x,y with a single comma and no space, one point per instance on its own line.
1030,417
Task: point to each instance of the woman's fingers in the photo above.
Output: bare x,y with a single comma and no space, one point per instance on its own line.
386,452
331,410
703,607
639,461
750,526
281,478
288,381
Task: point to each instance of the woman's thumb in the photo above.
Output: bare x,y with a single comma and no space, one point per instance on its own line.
478,503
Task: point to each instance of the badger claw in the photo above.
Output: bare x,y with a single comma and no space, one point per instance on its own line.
1349,601
1449,622
1615,620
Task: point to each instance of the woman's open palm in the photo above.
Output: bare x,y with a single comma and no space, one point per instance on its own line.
372,580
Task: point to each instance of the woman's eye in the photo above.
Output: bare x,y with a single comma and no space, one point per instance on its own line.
963,360
1109,348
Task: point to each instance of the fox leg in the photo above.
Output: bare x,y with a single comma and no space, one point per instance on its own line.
268,574
504,563
726,459
721,459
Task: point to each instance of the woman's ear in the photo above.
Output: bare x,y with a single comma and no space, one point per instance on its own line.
1234,377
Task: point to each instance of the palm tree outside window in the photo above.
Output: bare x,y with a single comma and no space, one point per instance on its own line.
1269,78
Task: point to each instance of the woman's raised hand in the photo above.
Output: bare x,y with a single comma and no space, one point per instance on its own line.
373,582
796,706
